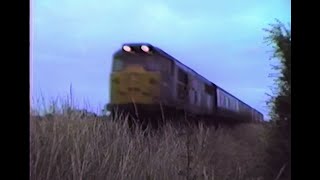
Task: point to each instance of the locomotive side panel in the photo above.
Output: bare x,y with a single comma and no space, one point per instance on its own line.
181,90
167,97
194,94
210,91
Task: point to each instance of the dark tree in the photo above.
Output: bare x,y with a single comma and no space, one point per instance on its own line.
279,36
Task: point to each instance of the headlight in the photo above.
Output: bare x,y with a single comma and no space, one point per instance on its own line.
126,48
145,48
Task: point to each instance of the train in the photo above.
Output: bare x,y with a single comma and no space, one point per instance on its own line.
146,80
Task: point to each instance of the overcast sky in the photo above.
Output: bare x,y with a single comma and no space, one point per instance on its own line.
72,41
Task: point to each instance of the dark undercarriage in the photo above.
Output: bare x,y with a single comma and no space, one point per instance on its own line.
156,116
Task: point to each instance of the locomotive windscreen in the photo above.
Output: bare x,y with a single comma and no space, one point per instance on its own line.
149,63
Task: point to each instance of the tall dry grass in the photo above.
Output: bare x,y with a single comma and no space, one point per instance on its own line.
68,147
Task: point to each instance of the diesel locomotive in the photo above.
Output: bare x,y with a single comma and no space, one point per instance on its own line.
145,80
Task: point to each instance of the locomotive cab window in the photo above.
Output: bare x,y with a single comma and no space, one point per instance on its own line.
118,65
147,62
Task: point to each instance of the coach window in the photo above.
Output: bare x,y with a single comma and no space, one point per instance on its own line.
236,105
209,89
195,97
181,90
182,76
223,104
172,68
227,102
231,104
222,101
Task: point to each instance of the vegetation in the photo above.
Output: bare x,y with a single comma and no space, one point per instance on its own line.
280,103
67,146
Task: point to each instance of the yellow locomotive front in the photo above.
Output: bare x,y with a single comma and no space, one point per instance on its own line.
135,79
134,85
